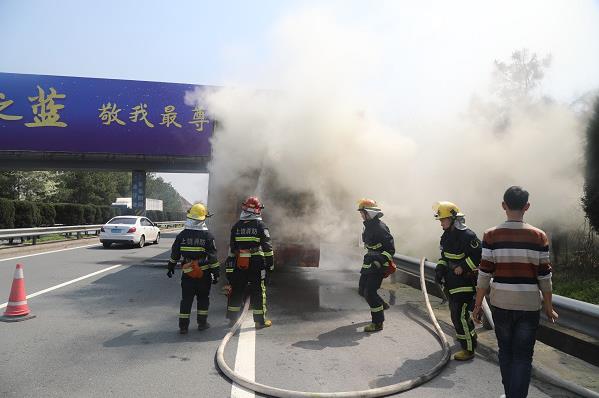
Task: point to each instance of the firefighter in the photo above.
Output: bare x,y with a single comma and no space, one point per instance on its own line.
200,267
378,259
250,262
457,271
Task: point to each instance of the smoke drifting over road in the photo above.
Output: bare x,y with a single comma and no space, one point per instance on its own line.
343,121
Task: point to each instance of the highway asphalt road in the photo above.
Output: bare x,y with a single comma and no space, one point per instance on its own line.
115,333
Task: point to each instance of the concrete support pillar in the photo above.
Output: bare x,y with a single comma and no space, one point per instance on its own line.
138,192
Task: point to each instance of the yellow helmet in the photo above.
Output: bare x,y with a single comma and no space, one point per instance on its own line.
199,212
368,204
445,210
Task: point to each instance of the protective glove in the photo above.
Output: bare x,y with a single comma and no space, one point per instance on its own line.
368,258
439,275
214,279
439,279
171,271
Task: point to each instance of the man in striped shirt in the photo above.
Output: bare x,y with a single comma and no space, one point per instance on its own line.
515,265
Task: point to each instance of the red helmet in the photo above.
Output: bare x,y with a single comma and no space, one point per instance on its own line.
252,204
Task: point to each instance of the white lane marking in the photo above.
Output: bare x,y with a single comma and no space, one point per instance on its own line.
66,283
245,359
52,251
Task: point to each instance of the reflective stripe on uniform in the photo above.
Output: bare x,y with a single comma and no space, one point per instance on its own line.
263,287
214,265
366,266
258,253
247,239
388,255
268,254
452,256
463,336
442,262
465,327
229,270
465,289
376,309
258,312
470,263
203,268
192,249
234,309
172,260
374,247
202,312
183,316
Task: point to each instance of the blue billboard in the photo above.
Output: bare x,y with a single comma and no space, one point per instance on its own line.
40,113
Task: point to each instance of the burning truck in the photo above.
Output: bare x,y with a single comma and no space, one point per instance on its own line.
295,242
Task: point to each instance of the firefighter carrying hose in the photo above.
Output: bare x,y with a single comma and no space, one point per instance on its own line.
457,271
378,261
250,262
200,268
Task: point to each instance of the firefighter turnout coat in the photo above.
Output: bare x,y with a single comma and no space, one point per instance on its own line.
250,258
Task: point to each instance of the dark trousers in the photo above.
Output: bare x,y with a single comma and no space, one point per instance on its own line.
240,280
516,333
191,288
367,287
459,307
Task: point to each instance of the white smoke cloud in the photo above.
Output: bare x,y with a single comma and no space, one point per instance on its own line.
380,108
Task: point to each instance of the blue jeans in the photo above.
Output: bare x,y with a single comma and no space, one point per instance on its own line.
516,335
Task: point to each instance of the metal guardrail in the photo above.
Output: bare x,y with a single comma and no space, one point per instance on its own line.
573,314
35,233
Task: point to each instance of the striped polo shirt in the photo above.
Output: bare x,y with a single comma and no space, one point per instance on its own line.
515,264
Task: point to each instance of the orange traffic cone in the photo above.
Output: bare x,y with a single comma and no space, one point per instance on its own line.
17,308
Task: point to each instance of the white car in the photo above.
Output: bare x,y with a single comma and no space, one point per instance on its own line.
133,230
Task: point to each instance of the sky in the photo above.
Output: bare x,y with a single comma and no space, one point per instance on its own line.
420,58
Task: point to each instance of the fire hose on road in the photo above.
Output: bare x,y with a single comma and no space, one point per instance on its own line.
375,392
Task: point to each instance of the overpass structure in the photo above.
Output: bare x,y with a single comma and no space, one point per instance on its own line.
58,122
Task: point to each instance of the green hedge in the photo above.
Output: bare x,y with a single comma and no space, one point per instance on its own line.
69,213
7,214
47,213
27,214
103,214
89,214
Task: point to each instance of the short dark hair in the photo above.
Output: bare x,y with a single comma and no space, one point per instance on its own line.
515,198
